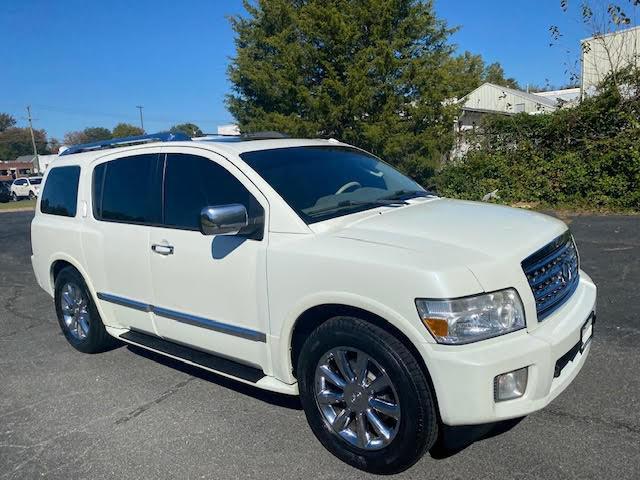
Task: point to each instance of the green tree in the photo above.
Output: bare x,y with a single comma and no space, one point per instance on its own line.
190,129
468,71
369,72
494,73
6,121
464,73
126,130
88,135
17,141
95,134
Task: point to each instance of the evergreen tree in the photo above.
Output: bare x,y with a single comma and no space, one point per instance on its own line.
368,72
190,129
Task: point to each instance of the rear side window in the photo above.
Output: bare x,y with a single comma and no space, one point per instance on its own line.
128,190
60,196
192,183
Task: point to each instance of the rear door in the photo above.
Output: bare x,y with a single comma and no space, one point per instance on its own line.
210,291
125,201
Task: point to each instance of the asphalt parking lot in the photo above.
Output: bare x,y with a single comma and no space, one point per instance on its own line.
130,414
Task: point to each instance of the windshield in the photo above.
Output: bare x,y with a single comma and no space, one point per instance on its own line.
35,181
326,182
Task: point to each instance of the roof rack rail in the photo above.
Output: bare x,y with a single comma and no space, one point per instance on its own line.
115,142
243,137
263,135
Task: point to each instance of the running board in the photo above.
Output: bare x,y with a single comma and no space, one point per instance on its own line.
196,357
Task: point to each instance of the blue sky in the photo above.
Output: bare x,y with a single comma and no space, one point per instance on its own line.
87,63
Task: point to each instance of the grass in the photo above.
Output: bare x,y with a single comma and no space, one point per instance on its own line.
20,205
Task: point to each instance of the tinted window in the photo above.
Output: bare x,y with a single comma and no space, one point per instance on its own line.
130,190
35,181
192,183
20,182
97,184
325,182
60,196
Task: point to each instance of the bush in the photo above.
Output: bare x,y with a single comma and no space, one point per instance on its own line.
582,157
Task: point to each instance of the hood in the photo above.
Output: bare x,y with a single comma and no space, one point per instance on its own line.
454,232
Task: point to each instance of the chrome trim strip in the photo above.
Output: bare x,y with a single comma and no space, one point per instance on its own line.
125,302
187,318
210,324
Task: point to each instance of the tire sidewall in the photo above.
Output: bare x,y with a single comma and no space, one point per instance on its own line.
417,412
90,342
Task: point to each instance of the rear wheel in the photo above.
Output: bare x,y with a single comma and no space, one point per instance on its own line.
365,396
77,314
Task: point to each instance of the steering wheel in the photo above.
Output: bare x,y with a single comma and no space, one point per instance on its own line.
347,186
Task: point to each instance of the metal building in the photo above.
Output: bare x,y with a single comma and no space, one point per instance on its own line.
603,54
490,98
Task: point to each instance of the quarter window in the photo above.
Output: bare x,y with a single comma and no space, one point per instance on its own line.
192,183
128,190
60,195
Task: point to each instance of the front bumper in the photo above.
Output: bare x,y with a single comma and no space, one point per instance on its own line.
463,375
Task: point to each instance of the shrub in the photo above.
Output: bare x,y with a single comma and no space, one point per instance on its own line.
582,157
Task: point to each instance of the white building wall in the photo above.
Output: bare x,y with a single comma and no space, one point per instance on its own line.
602,54
494,98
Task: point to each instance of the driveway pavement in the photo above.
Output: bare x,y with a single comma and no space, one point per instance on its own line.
130,414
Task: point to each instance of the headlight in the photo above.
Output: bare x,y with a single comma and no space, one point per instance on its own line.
469,319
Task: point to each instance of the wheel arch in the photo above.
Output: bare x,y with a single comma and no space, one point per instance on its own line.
58,262
315,316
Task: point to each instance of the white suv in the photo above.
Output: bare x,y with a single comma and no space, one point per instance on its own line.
26,187
311,267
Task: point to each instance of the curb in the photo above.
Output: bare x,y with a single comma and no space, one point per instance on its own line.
14,210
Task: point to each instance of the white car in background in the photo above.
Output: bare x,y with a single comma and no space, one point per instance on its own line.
313,268
25,187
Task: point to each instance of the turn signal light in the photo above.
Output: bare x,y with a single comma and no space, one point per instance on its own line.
438,326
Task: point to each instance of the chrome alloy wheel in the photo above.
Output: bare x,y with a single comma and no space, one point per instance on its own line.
75,310
357,398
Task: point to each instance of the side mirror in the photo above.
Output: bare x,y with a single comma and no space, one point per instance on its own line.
223,219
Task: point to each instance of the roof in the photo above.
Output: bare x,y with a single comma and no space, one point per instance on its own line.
239,147
518,93
25,158
611,34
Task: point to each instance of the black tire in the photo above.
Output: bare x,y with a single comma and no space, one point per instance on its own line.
418,425
31,196
14,197
97,339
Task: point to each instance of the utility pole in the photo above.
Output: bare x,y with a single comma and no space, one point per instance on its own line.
140,107
36,163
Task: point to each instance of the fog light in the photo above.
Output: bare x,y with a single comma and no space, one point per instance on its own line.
510,385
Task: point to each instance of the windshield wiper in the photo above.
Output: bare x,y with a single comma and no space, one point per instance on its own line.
407,194
358,203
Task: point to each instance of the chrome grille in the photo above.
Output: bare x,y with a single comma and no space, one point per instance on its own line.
553,274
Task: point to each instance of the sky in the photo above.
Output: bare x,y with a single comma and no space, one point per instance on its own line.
82,63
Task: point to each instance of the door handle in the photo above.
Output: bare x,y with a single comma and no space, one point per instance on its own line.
162,249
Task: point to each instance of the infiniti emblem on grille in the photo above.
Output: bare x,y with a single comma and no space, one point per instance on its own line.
566,273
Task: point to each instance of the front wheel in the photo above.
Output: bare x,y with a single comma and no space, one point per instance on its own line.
14,197
32,196
365,396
